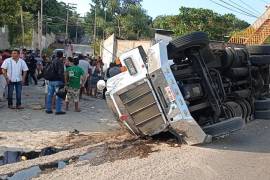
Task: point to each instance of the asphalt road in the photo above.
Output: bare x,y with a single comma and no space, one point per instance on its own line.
253,138
32,121
94,115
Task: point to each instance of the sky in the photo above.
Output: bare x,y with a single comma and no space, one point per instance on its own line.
171,7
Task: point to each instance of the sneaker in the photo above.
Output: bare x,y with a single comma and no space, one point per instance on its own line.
49,112
11,107
19,107
60,113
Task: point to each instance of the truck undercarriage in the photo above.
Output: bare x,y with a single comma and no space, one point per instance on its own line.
210,89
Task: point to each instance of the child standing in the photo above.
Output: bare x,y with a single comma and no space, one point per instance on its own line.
73,77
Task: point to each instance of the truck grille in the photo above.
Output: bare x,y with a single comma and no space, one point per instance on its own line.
143,108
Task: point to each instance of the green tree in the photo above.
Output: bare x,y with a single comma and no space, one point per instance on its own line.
166,22
125,18
54,19
136,24
198,19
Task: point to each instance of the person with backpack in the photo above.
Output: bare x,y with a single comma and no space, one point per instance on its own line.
13,68
54,73
31,63
73,76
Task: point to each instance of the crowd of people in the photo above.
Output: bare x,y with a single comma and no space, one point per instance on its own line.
75,76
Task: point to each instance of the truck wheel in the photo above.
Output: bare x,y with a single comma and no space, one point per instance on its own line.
260,59
262,104
235,108
249,110
262,114
259,50
244,110
196,39
224,127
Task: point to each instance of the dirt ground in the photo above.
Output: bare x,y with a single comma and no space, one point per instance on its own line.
243,155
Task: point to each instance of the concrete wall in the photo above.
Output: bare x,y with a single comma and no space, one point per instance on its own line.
46,40
4,43
108,50
113,48
126,45
161,37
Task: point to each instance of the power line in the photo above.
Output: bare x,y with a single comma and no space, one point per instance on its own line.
264,1
233,10
242,7
249,6
233,6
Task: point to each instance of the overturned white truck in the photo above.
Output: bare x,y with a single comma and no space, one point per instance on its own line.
191,87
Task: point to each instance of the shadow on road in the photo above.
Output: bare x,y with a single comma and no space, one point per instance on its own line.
252,138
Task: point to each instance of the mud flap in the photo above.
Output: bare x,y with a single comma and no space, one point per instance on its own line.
191,132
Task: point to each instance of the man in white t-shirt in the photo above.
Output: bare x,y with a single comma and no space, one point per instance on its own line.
13,68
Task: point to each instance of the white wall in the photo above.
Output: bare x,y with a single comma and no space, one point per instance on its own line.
46,40
108,51
126,45
4,43
113,48
161,37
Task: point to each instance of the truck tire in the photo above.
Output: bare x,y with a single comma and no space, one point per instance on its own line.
262,114
224,127
259,50
260,59
196,39
249,110
228,58
244,108
235,108
262,104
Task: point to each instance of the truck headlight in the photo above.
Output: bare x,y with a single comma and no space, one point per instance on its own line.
130,66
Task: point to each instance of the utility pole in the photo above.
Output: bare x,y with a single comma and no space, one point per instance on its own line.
77,32
67,22
119,28
104,28
117,17
41,26
46,29
95,30
39,39
22,24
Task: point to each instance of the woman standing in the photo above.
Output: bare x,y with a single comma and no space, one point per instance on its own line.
96,74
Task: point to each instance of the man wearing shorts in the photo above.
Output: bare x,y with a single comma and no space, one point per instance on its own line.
73,77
